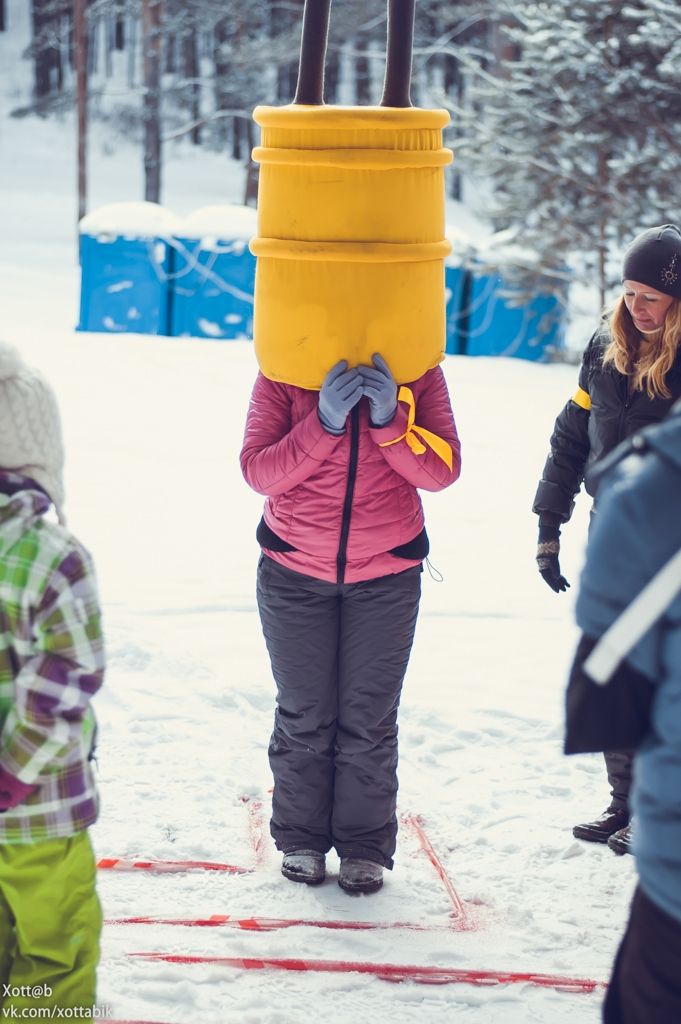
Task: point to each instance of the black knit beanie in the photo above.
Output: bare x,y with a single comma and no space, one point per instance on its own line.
654,258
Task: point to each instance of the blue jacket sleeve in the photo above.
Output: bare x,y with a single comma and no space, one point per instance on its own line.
620,561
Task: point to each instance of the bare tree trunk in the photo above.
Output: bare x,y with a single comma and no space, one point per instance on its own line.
453,82
109,43
80,59
63,28
601,264
191,70
602,233
119,33
93,50
3,17
132,49
252,169
45,59
151,32
220,38
504,51
170,54
236,138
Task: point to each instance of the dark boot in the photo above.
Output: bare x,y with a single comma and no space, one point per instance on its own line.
600,830
620,841
307,866
357,875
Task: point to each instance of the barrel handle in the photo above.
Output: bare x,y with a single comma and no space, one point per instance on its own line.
397,83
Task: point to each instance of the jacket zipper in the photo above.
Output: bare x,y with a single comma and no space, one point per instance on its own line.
341,558
623,412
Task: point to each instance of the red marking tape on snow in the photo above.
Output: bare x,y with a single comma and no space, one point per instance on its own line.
387,972
168,866
271,924
415,823
255,825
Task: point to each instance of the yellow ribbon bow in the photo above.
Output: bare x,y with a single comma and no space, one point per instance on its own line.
440,447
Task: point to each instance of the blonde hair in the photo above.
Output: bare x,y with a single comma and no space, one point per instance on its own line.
651,369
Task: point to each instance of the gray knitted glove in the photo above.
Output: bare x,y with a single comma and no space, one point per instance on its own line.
341,390
380,388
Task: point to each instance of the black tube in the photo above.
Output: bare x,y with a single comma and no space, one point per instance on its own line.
310,87
397,84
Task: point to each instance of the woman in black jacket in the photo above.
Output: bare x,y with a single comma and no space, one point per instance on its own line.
630,377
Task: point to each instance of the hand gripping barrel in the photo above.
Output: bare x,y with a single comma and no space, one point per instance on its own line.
350,241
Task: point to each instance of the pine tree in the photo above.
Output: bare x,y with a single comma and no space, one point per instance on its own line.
577,139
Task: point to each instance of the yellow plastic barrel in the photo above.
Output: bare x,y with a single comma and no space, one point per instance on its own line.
350,242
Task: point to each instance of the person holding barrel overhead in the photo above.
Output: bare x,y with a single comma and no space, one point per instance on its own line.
349,417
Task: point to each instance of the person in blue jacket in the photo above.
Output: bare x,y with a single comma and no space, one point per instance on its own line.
635,535
629,379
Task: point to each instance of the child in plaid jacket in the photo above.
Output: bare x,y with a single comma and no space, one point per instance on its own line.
51,664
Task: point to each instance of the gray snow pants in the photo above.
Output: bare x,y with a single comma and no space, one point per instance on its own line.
339,653
619,766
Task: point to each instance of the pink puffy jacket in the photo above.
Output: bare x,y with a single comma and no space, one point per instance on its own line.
343,502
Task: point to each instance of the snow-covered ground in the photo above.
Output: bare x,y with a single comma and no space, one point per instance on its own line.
153,429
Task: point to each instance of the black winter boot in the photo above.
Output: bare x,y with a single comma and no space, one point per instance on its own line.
620,842
357,875
307,866
600,830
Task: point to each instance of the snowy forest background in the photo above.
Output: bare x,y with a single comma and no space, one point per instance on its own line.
564,112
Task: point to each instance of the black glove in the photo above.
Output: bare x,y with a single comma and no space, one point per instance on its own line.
548,549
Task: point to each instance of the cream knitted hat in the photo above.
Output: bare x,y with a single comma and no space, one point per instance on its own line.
30,428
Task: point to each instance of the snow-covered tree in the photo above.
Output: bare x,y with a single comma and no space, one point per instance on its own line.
577,140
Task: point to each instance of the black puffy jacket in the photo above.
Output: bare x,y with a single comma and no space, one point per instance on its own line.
602,413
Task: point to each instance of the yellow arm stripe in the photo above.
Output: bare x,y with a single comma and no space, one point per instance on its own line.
582,399
437,444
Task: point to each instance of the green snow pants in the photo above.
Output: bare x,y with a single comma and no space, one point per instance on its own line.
50,923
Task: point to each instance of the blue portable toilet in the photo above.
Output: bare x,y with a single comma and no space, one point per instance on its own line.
499,326
455,280
457,288
214,274
126,264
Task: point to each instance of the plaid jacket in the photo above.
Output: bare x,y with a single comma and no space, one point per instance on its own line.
51,664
